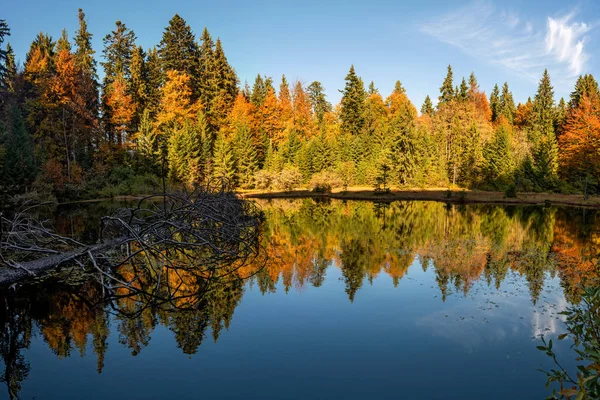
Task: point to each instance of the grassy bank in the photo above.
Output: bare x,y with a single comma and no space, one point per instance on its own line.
434,194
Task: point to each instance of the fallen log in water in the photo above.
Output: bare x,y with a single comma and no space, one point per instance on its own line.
32,269
202,230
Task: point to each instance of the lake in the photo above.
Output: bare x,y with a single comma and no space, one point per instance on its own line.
415,300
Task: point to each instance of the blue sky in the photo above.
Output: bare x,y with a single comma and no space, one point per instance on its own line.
386,40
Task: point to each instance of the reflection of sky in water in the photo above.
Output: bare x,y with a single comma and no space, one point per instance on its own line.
487,316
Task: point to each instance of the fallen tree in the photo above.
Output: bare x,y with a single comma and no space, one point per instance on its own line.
200,232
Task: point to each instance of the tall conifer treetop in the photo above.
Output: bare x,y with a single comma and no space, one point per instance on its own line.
447,88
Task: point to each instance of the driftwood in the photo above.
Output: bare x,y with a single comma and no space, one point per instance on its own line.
199,232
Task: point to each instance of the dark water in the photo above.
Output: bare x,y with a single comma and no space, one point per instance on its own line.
415,300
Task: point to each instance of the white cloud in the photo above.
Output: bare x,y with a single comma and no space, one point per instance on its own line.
509,40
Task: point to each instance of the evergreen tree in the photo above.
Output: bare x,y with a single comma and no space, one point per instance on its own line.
63,42
84,55
585,85
499,159
18,167
146,141
7,79
206,68
223,160
260,90
4,31
545,148
178,51
353,103
506,104
224,87
138,84
560,117
447,92
495,103
154,81
463,91
118,50
427,107
319,102
398,88
372,89
473,85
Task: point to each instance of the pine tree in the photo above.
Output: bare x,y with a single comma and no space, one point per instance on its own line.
427,107
507,107
447,90
178,51
353,104
495,103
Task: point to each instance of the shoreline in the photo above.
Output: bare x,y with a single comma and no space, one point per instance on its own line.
438,194
434,194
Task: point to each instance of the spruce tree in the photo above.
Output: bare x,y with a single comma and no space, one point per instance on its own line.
398,88
447,92
154,81
319,102
507,104
427,107
206,68
178,50
7,79
84,55
498,155
585,85
463,91
223,161
495,103
353,104
259,91
372,89
63,43
138,84
18,168
224,86
4,31
545,148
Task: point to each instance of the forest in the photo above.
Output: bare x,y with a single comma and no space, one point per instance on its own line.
177,114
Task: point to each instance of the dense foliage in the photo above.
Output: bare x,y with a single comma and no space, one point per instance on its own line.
178,112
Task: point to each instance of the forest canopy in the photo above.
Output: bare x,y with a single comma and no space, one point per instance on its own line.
178,112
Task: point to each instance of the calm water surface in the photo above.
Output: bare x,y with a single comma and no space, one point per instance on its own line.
412,300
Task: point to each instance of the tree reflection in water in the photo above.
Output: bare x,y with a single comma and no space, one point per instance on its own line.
301,240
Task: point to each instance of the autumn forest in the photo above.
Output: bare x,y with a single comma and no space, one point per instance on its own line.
177,113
